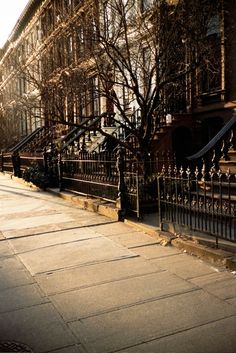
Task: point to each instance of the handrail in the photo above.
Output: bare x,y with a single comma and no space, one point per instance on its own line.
26,139
214,140
81,132
75,128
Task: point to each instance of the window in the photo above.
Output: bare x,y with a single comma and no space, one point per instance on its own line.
95,96
211,72
146,5
213,26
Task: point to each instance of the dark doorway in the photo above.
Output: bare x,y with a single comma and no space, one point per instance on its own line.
182,145
210,127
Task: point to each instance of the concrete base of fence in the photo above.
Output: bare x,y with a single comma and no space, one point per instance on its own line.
215,256
99,206
194,245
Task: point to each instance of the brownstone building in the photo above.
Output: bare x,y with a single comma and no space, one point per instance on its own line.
50,73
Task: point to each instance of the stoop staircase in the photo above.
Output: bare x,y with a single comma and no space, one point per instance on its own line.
219,180
229,163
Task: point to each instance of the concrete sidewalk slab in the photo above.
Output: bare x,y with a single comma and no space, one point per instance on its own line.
220,286
73,254
29,222
21,297
111,296
156,251
12,234
141,323
13,273
177,264
11,207
215,337
90,276
133,239
5,250
232,301
111,229
29,243
40,327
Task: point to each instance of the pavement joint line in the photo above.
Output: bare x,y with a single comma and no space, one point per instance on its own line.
75,289
162,256
190,278
24,307
34,283
89,263
53,245
64,347
137,303
51,231
42,213
50,272
186,329
142,245
18,286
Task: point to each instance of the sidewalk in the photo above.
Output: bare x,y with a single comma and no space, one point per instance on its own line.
197,244
73,281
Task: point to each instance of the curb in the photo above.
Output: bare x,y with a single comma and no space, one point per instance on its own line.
218,257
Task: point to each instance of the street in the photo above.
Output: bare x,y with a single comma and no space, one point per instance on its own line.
73,281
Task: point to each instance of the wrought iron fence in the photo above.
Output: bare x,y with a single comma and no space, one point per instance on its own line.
29,159
16,163
90,174
204,202
7,162
140,193
1,162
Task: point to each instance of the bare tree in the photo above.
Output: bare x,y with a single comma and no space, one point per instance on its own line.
146,59
146,56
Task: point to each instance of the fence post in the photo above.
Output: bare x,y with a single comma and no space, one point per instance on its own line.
59,166
138,195
45,160
159,202
120,164
2,169
16,164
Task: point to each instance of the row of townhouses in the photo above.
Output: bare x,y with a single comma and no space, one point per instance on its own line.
149,81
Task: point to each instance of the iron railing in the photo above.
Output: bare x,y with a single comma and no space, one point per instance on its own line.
200,201
90,174
28,159
6,162
140,193
218,147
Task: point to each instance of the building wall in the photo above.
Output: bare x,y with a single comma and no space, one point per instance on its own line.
19,96
54,38
230,60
